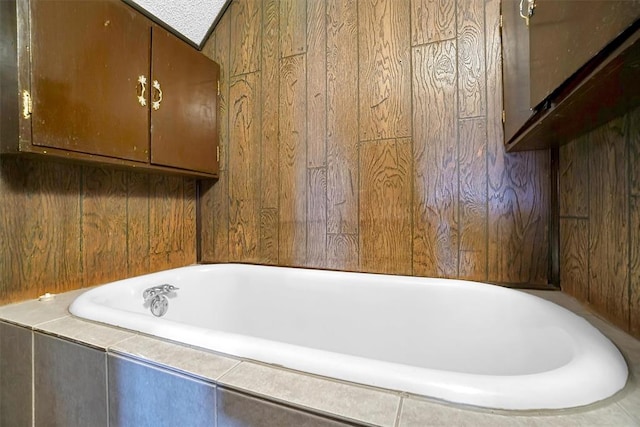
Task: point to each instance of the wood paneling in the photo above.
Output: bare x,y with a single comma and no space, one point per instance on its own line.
165,214
378,117
215,213
244,227
207,226
214,202
518,217
432,21
473,199
104,224
517,186
384,69
493,64
317,217
220,192
189,246
223,57
634,152
40,228
293,168
167,222
600,220
342,118
269,159
574,174
316,133
574,257
634,222
138,223
293,27
634,265
64,226
269,179
435,217
317,84
246,16
294,165
244,154
471,73
609,222
385,206
342,251
495,149
268,236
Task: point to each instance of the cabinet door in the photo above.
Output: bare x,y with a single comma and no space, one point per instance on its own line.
86,59
566,34
184,123
515,68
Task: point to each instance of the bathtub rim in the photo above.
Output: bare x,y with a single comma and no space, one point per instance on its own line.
513,392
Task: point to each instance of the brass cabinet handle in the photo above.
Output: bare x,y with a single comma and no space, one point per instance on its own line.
156,104
27,106
142,81
527,13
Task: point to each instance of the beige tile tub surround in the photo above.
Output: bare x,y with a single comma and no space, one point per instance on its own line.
263,387
70,383
16,375
198,363
33,312
416,413
87,333
363,404
631,402
143,395
238,410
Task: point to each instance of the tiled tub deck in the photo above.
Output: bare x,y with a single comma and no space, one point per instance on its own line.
88,374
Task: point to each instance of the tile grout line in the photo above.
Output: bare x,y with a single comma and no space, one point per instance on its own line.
33,377
399,411
38,326
228,370
634,418
106,386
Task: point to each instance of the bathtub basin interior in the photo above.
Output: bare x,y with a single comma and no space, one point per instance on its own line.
460,341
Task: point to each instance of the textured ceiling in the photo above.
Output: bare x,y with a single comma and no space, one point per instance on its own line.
190,18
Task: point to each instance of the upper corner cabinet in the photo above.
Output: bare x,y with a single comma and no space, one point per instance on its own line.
563,63
565,35
86,57
99,82
184,84
516,80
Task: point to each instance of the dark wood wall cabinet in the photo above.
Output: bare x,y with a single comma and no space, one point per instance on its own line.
97,81
568,66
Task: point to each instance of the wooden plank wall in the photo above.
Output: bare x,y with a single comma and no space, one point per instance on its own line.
65,226
366,135
600,220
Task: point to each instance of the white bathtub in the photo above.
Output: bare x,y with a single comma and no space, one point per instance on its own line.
460,341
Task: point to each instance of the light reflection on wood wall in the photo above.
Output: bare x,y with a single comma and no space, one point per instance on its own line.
600,220
366,136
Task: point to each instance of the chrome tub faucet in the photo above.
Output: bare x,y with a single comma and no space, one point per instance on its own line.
156,299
